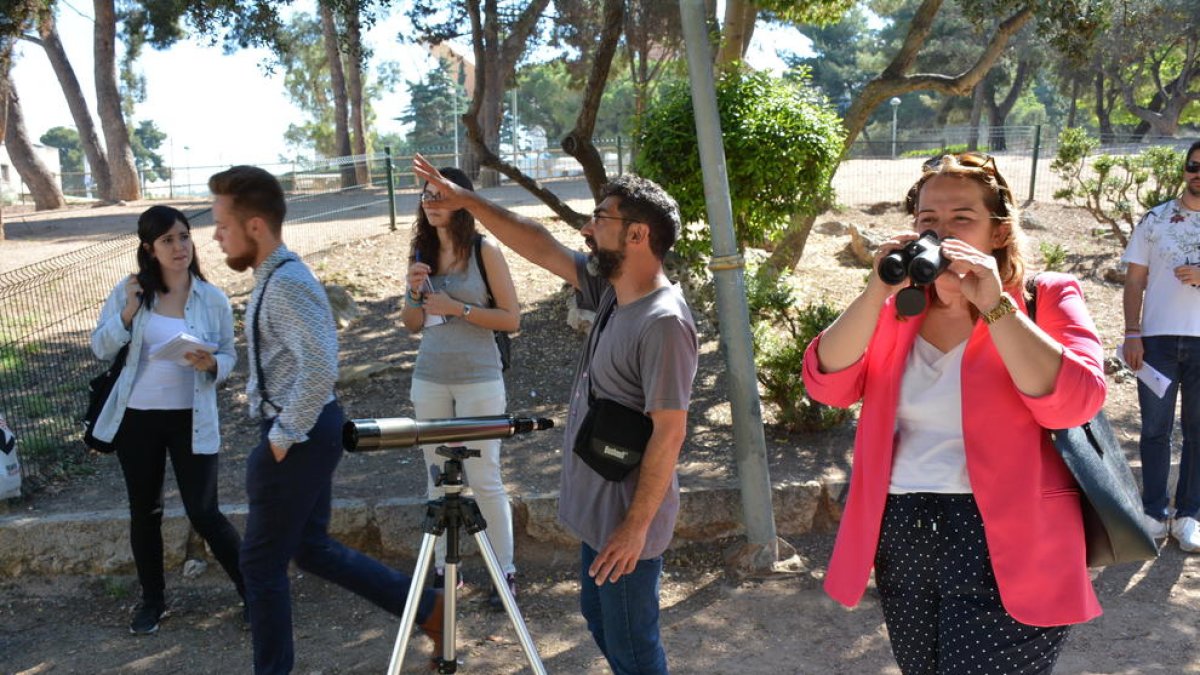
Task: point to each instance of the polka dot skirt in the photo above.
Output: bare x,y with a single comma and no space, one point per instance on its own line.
940,601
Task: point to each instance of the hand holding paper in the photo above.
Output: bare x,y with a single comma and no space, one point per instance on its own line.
1157,382
179,346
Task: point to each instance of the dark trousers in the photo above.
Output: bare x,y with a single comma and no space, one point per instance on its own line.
289,519
143,442
940,601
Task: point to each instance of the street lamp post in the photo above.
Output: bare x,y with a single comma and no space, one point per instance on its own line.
895,106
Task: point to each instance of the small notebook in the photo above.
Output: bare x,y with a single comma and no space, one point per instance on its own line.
176,347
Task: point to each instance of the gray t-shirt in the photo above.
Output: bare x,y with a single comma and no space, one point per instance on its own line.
644,358
457,351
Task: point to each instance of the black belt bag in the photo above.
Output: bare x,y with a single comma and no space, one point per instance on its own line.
613,438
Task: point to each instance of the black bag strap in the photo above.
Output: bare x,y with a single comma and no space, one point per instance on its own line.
601,322
477,244
258,370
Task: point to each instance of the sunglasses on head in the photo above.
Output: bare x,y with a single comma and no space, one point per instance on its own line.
972,159
1192,167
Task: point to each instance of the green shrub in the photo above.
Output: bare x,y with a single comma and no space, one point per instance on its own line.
1054,256
1115,189
782,144
781,334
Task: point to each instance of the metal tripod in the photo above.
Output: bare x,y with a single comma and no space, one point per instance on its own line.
445,517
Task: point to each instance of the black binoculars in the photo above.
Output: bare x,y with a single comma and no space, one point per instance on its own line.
920,261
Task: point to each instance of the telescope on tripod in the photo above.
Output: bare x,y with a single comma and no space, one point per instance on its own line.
446,516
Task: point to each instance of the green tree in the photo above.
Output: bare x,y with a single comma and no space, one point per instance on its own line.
70,157
146,140
430,114
782,144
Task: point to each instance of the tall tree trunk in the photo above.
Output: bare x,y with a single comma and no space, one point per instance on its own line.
977,96
354,90
1102,110
578,142
88,139
108,104
495,63
46,193
998,111
337,80
740,17
6,48
1073,110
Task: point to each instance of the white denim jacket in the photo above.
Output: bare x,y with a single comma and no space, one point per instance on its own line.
208,317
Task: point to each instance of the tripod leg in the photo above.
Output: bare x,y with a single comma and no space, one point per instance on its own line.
510,603
409,618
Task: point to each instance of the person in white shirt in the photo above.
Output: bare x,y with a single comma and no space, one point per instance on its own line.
1162,329
160,407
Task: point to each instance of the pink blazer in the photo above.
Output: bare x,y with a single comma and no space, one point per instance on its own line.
1028,499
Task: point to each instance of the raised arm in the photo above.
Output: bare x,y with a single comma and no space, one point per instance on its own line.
524,235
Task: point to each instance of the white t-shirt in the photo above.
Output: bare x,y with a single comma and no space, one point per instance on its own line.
161,384
930,454
1167,237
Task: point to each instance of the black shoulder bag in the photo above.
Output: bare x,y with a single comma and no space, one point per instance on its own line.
503,340
612,437
1113,525
99,389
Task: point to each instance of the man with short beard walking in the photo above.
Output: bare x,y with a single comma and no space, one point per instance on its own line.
1162,329
641,354
292,344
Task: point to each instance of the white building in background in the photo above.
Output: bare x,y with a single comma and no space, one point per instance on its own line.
11,185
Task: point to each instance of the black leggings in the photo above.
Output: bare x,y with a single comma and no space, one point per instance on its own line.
940,600
142,444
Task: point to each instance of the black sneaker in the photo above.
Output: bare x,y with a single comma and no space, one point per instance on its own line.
494,600
146,618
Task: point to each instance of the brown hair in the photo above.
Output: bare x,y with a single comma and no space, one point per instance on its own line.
425,243
998,199
255,192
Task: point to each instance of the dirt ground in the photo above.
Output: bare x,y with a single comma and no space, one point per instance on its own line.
712,623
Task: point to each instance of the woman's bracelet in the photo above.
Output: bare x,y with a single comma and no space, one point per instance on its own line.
414,299
1133,334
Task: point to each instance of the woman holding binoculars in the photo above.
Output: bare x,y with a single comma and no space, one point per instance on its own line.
958,499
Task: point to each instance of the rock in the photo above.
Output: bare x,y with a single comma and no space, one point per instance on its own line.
345,309
194,568
579,319
1030,221
832,227
862,247
1113,275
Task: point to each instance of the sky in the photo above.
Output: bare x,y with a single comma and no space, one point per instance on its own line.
220,109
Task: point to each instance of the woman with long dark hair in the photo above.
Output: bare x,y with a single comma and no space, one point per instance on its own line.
458,369
162,406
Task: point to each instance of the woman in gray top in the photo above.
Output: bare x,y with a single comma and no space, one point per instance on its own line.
458,371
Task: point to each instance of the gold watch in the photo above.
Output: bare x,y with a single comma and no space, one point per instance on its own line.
1001,310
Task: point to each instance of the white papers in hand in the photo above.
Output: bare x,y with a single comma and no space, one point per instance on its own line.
176,347
1157,382
431,319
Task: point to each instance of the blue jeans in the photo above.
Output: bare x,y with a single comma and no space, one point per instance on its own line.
623,616
1177,357
289,519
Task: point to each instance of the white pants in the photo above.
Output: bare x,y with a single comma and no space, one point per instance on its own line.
482,473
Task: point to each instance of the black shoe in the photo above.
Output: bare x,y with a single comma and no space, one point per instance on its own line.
494,600
146,618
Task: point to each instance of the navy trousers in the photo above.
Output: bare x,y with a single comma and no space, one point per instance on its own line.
289,519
